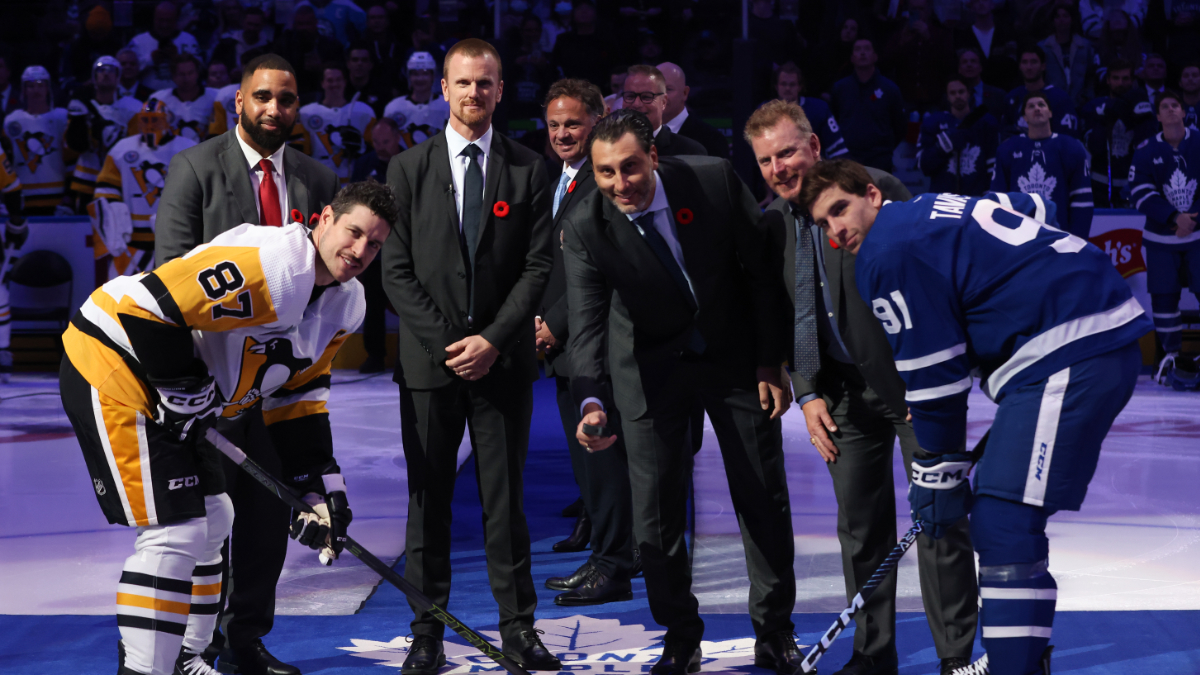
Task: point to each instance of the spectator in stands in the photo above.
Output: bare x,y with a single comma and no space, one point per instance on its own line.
1095,13
776,41
251,36
558,23
1070,58
871,110
373,89
530,72
1154,75
995,41
306,49
98,39
585,52
10,97
1112,127
646,92
1119,39
921,56
342,20
424,39
160,44
1033,71
130,84
616,83
970,69
216,75
1180,31
1189,88
834,56
789,84
957,149
386,51
680,121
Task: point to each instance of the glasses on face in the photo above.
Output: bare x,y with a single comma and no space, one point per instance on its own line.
647,97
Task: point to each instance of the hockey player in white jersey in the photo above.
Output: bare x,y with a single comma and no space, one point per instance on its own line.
41,158
96,119
225,109
424,112
335,132
191,106
127,191
1163,181
253,317
982,284
12,237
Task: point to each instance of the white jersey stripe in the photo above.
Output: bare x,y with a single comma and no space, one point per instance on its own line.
273,402
989,593
935,358
1040,208
118,484
1044,436
108,325
917,395
147,477
1016,631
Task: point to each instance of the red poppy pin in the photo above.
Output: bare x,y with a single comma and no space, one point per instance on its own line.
684,216
297,217
833,243
314,219
500,210
571,187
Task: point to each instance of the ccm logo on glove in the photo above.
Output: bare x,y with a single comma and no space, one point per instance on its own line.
944,476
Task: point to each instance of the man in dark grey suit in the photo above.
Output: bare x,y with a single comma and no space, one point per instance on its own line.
853,401
465,268
679,119
572,109
646,92
211,188
670,290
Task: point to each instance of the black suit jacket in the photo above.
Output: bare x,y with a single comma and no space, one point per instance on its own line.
554,302
425,272
670,144
208,191
619,291
714,142
861,332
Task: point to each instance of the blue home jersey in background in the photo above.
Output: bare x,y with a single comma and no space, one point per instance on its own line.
824,126
982,284
967,168
1055,168
1162,182
1062,111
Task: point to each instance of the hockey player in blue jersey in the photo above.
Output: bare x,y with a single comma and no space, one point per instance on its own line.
1044,163
957,149
1163,180
789,85
982,284
1033,70
1113,126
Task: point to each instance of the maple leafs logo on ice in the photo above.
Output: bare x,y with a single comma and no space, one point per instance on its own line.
1180,191
967,159
1037,182
583,643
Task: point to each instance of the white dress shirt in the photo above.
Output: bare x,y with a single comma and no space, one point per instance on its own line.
676,123
572,170
455,144
253,159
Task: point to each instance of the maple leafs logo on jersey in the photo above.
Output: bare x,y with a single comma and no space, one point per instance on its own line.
1037,182
1180,191
967,159
1122,139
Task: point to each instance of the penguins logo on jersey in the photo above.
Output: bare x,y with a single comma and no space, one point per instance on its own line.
33,148
266,366
150,178
416,134
1037,182
191,130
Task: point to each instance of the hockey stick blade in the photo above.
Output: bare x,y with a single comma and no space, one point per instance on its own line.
288,497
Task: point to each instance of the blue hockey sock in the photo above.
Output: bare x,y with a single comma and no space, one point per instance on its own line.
1168,322
1017,616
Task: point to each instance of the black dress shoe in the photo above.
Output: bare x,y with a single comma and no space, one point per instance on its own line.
636,570
580,537
573,509
778,652
425,656
861,664
529,652
597,589
253,660
679,658
575,580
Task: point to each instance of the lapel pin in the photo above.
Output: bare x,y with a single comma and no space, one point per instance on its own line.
314,219
684,216
571,187
500,210
297,217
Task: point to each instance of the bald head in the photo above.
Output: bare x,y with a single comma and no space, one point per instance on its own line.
677,90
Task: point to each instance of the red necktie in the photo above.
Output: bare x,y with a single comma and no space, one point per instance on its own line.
268,196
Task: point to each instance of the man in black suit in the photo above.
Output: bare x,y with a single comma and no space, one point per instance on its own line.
572,109
646,92
465,267
678,119
853,402
671,290
247,175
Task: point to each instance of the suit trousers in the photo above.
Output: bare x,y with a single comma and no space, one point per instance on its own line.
374,322
866,499
257,546
659,449
432,423
603,479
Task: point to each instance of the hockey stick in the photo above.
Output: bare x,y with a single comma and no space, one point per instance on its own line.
414,594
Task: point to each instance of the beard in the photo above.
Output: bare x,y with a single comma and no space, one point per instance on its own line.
271,140
471,118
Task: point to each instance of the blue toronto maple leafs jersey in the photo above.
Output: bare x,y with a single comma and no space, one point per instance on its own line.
1162,182
965,284
824,126
967,168
1115,127
1191,116
1062,111
1055,168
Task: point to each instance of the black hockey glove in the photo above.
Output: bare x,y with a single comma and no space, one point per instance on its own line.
351,141
325,529
187,406
940,491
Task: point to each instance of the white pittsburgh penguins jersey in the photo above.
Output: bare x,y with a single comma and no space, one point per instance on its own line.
418,121
121,122
8,179
322,133
38,149
189,119
135,173
224,110
247,298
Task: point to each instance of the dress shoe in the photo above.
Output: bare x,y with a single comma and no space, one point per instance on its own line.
596,589
636,570
575,580
861,664
778,652
372,364
956,665
529,652
252,660
573,509
425,656
580,537
679,658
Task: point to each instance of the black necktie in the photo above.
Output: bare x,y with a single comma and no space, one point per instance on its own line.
472,205
696,343
806,358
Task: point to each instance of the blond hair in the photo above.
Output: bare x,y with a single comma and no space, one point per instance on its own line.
769,114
